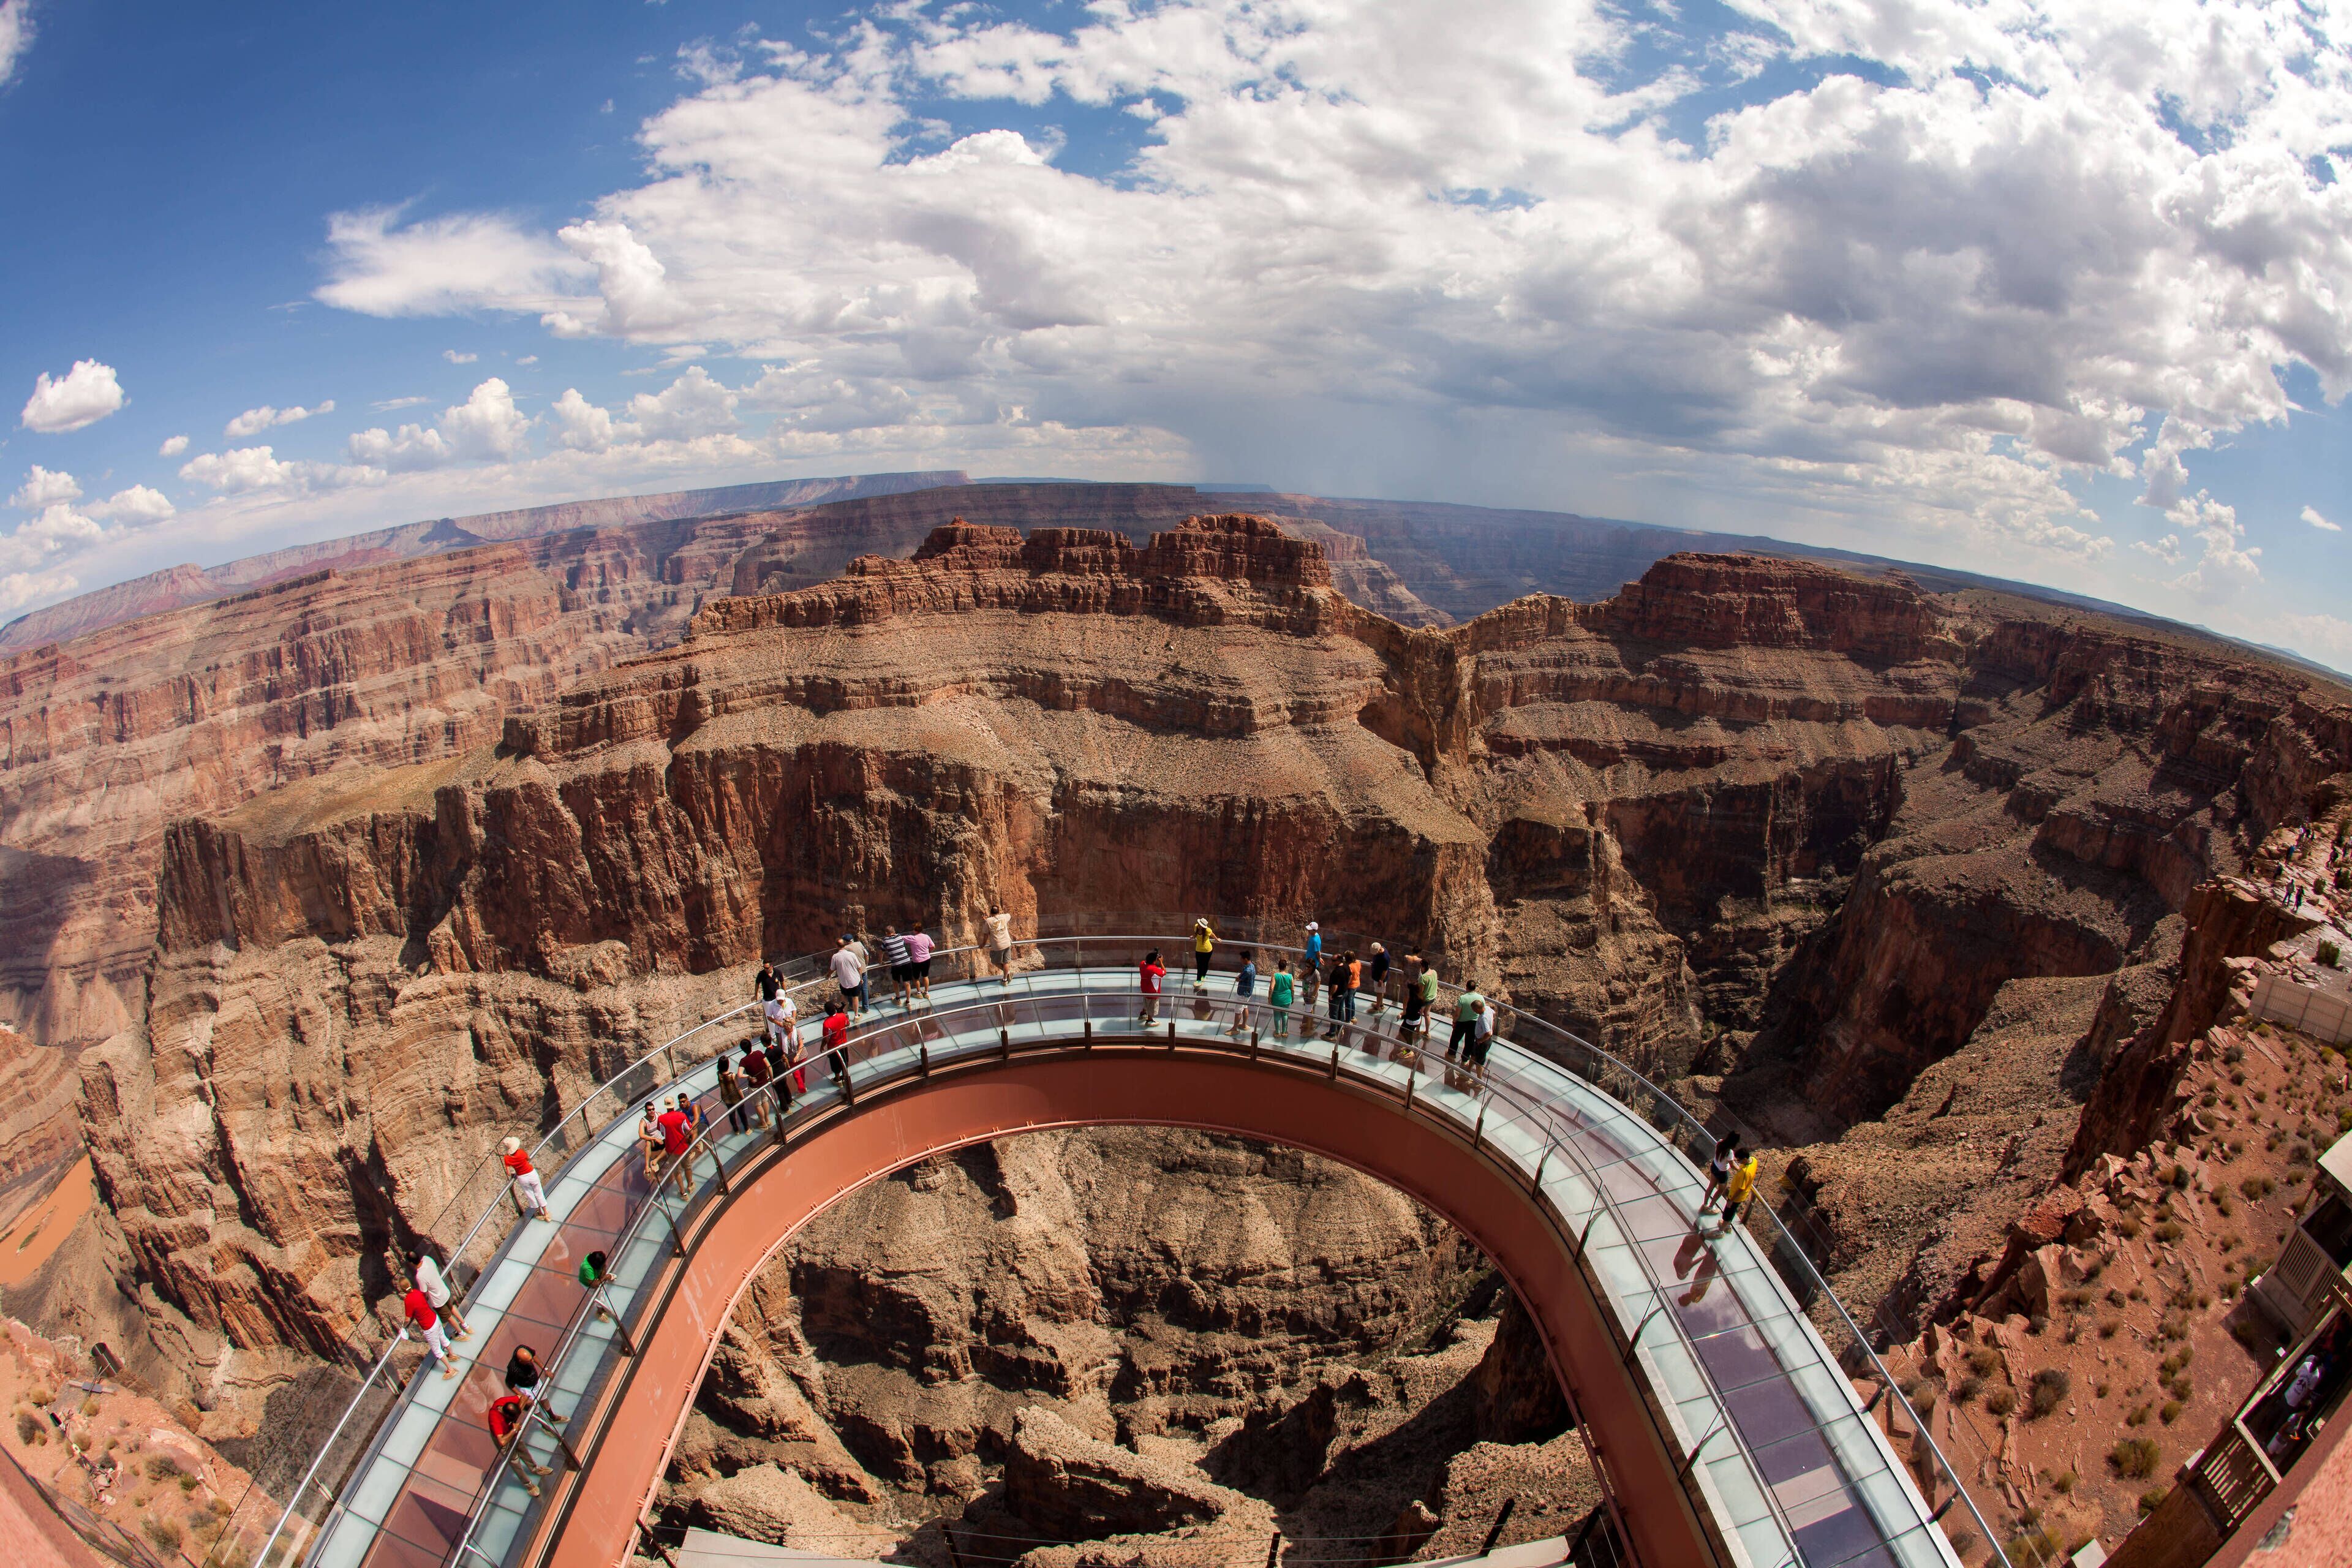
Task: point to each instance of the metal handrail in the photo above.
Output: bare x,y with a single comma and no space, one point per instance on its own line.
1501,1090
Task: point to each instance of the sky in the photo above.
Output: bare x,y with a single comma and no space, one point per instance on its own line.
2058,292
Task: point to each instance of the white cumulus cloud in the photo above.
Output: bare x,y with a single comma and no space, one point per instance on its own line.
44,488
455,356
2311,515
83,396
486,427
254,421
139,505
16,38
464,261
580,425
173,447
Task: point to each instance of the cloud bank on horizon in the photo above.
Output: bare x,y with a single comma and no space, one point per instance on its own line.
1989,283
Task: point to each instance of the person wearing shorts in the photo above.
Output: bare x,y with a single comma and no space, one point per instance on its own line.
533,1197
649,1140
419,1311
919,959
1376,976
593,1271
429,1280
1244,990
849,974
902,968
1000,943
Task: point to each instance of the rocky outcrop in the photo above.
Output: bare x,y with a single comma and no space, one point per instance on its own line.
1075,1488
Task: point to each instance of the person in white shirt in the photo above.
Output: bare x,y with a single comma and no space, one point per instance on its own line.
429,1280
782,1013
849,973
1000,941
1484,1040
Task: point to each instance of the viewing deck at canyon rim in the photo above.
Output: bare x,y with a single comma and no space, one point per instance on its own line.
1724,1426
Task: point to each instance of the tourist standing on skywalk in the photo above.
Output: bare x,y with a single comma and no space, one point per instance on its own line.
1000,943
781,1013
1719,1171
1739,1188
731,1094
849,974
918,960
505,1427
1310,968
436,1292
523,1378
902,968
1416,998
1204,948
756,1078
1246,989
1376,978
1466,1008
1280,994
420,1312
1148,977
533,1197
677,1141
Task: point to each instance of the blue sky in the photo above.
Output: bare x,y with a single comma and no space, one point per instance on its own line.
2054,292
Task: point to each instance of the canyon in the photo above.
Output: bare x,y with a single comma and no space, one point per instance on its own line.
314,892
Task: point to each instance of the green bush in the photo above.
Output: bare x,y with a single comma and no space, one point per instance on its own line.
2135,1458
2151,1498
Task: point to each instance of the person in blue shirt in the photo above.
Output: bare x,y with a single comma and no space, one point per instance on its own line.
1245,988
1310,971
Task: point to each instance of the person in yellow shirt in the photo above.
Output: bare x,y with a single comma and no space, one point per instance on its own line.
1204,946
1737,1189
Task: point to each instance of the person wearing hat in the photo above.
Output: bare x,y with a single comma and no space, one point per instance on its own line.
1204,947
528,1192
1311,972
1000,943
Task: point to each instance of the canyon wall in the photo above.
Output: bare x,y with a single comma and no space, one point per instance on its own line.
1826,832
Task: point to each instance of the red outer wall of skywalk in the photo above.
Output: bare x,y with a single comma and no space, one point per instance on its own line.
1276,1104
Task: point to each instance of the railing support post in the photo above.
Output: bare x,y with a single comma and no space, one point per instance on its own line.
1334,1074
923,1057
1479,1130
1004,1043
947,1532
1086,1039
571,1459
677,1242
1537,1184
1253,1058
1274,1550
1171,1033
1495,1531
620,1326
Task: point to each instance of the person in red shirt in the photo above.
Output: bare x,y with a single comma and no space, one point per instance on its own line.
420,1312
676,1141
528,1192
506,1422
836,1043
1149,974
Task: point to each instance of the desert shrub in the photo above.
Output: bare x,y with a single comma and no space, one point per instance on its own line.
2233,1054
2237,1075
187,1483
2051,1387
2172,1411
90,1407
1984,1360
2300,1154
2129,1229
163,1533
1921,1396
162,1467
2175,1361
2329,954
2244,1332
2034,1545
1999,1400
29,1431
2168,1231
2101,1390
222,1506
2065,1482
1964,1541
2149,1499
2134,1457
2137,1416
2178,1176
2222,1205
1968,1388
40,1396
2108,1329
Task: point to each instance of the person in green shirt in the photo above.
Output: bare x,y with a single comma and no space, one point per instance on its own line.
593,1270
1466,1008
1284,988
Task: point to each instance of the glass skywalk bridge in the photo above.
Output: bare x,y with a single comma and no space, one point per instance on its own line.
1768,1446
